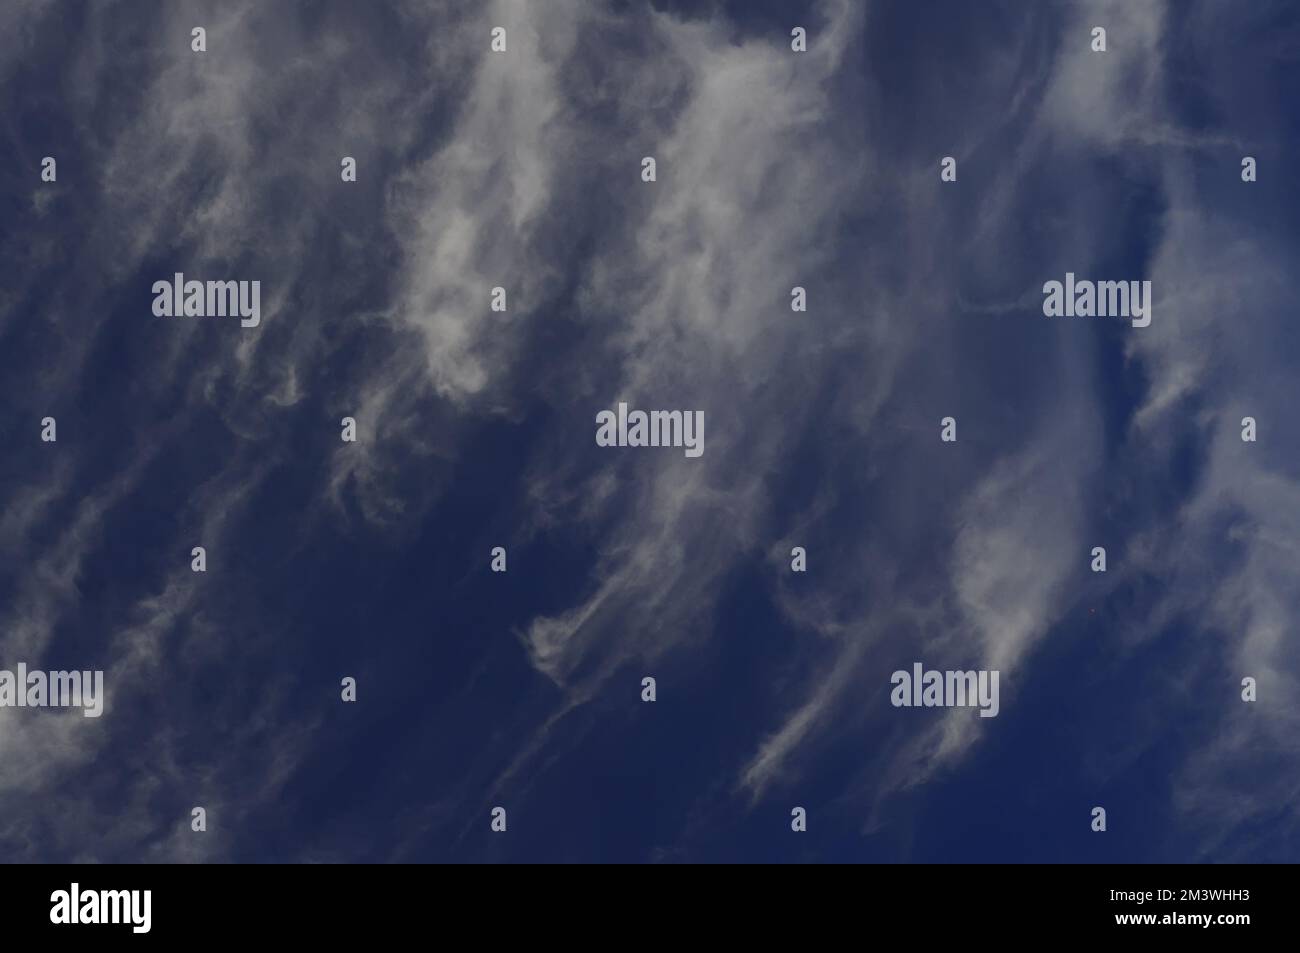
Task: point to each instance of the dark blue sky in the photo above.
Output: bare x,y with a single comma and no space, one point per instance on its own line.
775,169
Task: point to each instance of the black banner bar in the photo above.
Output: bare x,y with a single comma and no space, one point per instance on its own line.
332,903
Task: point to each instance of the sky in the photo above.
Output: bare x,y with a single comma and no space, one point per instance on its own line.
775,168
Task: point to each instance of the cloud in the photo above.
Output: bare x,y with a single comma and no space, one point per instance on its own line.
775,169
